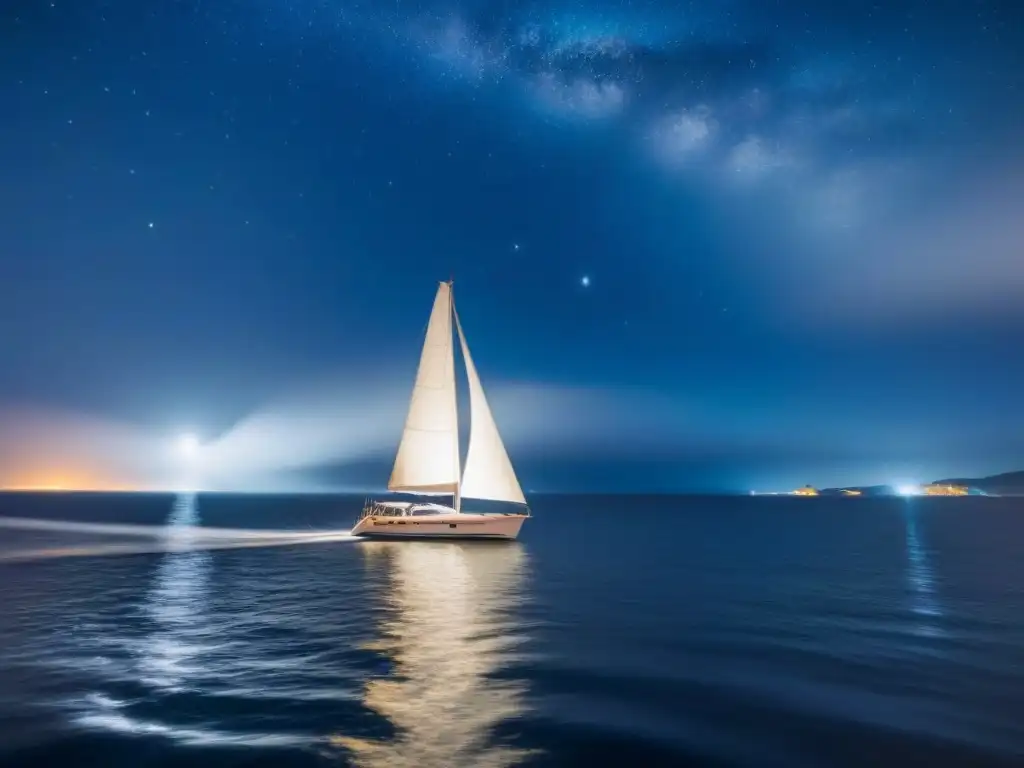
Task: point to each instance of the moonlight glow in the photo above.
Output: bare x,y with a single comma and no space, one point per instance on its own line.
188,445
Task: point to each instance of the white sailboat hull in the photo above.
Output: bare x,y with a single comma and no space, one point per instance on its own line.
441,526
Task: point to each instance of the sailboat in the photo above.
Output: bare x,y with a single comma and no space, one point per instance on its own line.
428,460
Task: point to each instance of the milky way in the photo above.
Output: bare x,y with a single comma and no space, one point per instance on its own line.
854,124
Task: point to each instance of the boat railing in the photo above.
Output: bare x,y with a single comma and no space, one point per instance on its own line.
373,508
369,508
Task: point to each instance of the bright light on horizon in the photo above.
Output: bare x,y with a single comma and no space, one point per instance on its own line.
908,490
188,445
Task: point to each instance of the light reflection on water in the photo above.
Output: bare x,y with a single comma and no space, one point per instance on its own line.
447,632
177,605
920,578
177,654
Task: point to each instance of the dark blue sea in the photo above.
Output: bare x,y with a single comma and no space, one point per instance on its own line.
619,631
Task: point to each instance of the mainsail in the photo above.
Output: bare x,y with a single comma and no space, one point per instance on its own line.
428,454
488,473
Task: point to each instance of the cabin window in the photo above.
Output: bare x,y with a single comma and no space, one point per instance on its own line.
451,525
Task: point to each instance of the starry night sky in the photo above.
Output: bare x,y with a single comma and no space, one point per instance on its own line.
696,245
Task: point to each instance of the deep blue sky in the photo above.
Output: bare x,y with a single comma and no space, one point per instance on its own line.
801,223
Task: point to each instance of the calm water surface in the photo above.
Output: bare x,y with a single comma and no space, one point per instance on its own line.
762,631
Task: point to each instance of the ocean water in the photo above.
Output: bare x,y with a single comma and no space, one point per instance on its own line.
619,631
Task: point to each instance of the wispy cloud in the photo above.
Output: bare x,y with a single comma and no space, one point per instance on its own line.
681,136
459,46
754,157
959,254
582,96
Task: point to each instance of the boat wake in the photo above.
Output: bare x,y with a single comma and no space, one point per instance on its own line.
148,539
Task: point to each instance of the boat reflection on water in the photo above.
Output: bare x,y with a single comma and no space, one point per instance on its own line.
450,627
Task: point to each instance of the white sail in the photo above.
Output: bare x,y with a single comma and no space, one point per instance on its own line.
488,473
428,455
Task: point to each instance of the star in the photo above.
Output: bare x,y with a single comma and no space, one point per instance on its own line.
515,246
585,281
150,225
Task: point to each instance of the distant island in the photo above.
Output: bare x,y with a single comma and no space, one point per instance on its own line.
1004,484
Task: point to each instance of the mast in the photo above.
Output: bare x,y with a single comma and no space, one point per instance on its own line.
452,318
